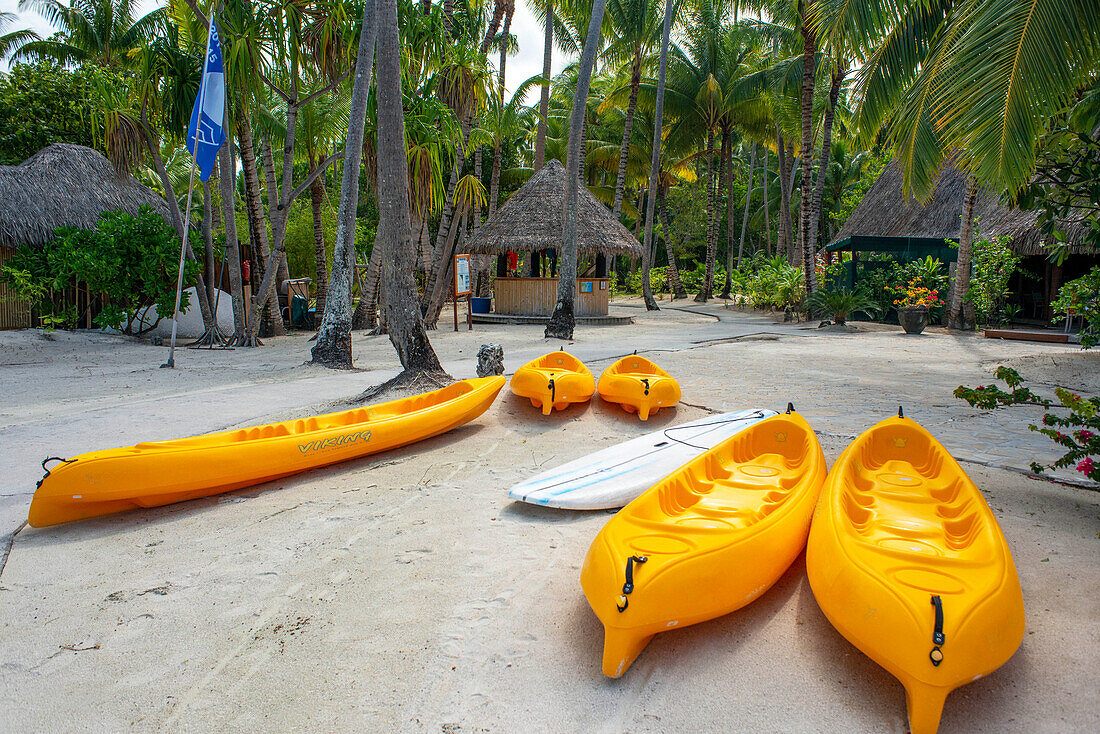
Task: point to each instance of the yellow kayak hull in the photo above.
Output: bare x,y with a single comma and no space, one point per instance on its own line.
639,386
554,381
705,540
907,561
160,473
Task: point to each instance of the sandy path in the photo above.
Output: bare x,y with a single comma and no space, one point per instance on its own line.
406,593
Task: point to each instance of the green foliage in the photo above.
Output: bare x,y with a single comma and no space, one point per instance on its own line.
41,104
1082,297
130,260
992,264
1082,445
839,303
1066,190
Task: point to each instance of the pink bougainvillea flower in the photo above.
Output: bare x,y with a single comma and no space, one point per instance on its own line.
1085,466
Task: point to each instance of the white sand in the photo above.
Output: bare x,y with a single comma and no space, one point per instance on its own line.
404,592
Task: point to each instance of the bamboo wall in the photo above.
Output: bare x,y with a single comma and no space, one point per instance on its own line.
537,296
15,313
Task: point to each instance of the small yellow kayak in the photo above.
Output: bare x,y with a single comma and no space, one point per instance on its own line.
639,386
159,473
553,381
907,561
705,540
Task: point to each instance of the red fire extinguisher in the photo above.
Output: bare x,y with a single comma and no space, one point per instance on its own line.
246,270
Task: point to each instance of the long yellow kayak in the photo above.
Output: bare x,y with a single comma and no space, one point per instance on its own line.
639,386
907,561
705,540
554,381
159,473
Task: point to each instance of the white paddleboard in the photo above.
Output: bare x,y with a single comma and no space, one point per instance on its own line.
616,475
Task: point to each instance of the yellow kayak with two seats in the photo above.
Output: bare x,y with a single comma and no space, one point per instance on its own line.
907,561
162,472
639,386
554,381
705,540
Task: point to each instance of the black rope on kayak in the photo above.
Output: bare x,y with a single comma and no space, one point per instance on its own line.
628,587
645,381
754,416
938,638
45,461
553,390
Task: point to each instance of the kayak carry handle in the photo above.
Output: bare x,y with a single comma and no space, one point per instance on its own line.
938,638
790,408
645,381
628,587
901,413
45,461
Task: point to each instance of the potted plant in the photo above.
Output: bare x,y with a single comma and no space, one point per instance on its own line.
913,305
839,303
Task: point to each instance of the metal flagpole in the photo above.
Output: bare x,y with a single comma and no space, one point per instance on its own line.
171,363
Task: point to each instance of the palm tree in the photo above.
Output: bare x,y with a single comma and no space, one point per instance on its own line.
403,320
333,346
562,320
544,12
102,32
11,41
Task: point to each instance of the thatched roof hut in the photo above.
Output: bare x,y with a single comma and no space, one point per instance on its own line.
532,220
886,212
65,185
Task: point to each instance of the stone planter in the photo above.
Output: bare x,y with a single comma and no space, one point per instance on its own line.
913,318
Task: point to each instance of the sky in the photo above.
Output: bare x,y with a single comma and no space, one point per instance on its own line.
521,66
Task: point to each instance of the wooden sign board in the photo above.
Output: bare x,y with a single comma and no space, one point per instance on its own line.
462,275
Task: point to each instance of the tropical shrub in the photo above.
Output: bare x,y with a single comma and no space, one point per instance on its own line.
131,261
1081,443
1082,298
916,294
992,265
839,303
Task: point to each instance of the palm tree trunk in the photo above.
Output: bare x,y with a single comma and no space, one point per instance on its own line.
826,153
440,287
226,182
805,211
748,199
956,318
272,188
317,197
725,171
208,242
366,312
403,320
491,31
767,206
654,166
704,293
628,124
729,223
333,346
449,18
544,98
786,245
562,320
675,285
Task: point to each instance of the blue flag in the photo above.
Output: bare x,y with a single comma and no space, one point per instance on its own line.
209,111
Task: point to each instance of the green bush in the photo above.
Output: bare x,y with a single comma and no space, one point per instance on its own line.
131,261
1081,296
992,264
839,303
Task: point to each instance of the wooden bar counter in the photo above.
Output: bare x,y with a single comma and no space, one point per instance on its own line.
537,296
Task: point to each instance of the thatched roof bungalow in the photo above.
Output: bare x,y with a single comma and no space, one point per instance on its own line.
65,185
62,185
889,223
531,221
